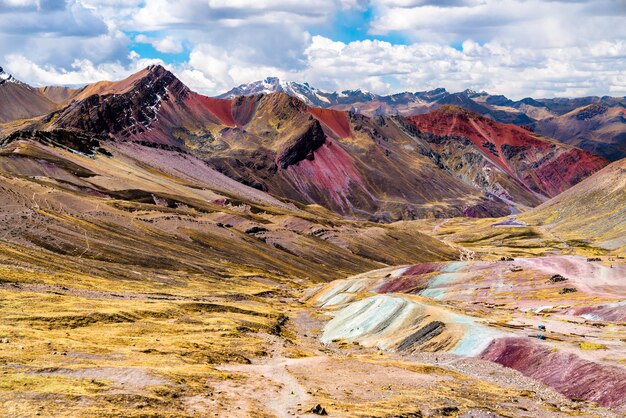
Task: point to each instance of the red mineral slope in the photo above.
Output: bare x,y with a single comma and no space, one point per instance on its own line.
539,163
151,105
335,120
221,108
568,373
330,175
371,168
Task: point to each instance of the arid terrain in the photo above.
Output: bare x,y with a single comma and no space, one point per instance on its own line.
168,254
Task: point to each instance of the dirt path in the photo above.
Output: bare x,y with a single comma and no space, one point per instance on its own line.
464,253
439,225
288,397
568,248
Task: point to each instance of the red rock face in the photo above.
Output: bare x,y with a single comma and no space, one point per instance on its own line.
565,170
243,108
329,177
221,108
335,120
147,106
610,312
539,164
378,168
423,268
569,374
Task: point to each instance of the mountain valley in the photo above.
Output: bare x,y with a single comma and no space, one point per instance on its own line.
281,251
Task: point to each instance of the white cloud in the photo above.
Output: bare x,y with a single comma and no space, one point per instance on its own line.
81,71
517,48
515,72
538,23
196,14
167,45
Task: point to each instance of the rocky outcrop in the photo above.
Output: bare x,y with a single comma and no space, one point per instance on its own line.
533,162
129,113
301,146
82,142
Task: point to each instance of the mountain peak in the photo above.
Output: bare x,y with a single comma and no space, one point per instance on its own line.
154,71
457,110
155,68
309,95
6,77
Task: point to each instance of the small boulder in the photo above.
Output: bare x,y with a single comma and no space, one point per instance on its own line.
318,410
566,290
557,278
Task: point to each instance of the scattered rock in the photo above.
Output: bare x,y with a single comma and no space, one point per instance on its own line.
566,290
318,410
255,230
277,328
448,411
557,278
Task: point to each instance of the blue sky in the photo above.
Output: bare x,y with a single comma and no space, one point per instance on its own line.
520,48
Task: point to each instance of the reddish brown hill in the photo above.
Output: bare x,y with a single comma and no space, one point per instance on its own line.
150,105
58,94
356,166
20,101
541,164
376,168
335,120
598,128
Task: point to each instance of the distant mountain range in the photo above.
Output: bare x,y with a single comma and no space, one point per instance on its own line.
449,162
596,124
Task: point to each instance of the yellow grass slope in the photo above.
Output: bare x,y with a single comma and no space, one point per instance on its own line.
593,210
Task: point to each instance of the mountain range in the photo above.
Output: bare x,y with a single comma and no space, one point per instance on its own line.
596,124
165,253
450,162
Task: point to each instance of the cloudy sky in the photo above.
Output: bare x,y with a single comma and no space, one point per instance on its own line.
539,48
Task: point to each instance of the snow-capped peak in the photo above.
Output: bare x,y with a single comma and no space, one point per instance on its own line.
303,91
8,78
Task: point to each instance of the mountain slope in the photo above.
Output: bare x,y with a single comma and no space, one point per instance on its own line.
542,165
377,168
596,128
277,143
58,94
151,103
551,117
594,208
20,101
85,195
